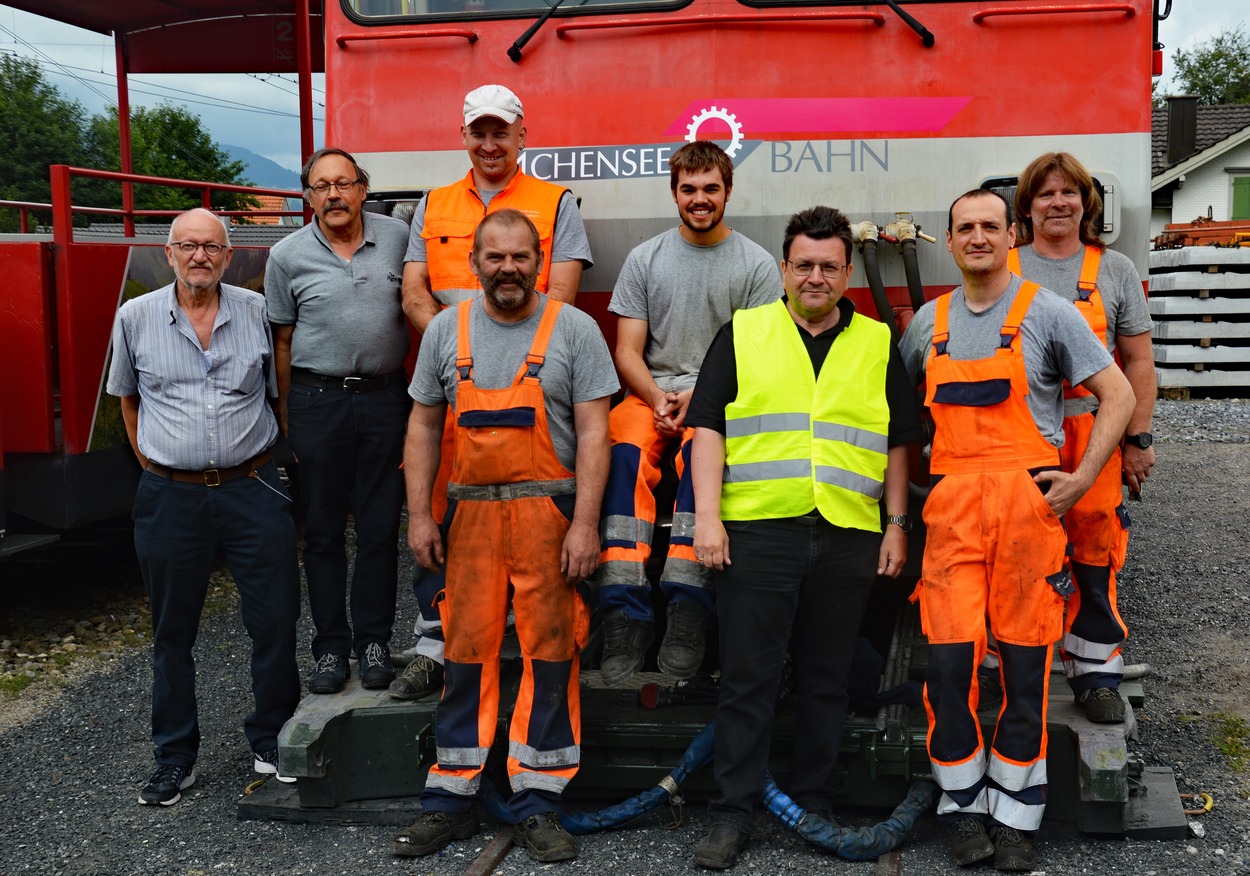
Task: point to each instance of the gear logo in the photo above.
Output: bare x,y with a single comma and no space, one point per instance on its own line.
735,129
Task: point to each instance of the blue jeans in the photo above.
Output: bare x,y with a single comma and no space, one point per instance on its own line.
178,530
798,583
349,446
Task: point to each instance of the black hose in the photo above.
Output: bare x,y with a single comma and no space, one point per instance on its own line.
911,265
868,247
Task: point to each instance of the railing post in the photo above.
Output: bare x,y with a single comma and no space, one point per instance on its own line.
62,206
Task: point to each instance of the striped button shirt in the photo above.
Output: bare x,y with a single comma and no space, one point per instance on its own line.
198,409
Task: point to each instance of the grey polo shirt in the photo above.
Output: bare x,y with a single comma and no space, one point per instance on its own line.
198,409
347,315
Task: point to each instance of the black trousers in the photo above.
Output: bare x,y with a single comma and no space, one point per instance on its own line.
801,583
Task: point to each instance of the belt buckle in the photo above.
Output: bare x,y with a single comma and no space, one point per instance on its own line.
212,477
354,384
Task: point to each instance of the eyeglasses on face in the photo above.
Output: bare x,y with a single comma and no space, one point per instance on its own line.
323,188
828,271
188,247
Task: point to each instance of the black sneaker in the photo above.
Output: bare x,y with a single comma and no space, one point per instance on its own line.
266,763
1013,850
625,644
681,652
545,838
970,843
330,674
166,785
433,831
1102,705
721,847
422,676
376,670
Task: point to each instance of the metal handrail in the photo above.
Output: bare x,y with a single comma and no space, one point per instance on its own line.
462,33
1126,8
676,20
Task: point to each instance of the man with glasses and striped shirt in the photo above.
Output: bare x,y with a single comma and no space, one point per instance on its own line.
193,366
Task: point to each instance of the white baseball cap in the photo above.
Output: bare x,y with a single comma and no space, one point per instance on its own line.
492,100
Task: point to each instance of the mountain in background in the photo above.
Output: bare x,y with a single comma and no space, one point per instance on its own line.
261,171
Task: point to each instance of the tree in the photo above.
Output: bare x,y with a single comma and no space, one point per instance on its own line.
1218,70
167,141
38,128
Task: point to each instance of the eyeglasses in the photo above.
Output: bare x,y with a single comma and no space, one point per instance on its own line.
829,272
323,188
187,247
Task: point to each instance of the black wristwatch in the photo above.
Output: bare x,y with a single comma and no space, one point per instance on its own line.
902,521
1141,439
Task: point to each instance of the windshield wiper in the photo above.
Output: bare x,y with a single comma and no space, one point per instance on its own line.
514,51
923,32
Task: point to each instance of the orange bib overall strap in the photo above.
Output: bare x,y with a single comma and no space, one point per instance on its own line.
979,406
1088,302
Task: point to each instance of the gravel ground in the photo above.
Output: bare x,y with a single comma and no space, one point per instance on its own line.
75,750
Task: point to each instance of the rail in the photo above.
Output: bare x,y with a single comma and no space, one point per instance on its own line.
679,20
63,209
460,33
997,11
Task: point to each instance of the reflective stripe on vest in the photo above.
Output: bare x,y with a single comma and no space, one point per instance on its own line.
452,214
782,461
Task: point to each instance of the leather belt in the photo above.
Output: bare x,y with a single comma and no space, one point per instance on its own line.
213,477
351,383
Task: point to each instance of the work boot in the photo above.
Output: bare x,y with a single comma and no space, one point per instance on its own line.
420,677
376,670
681,652
721,847
1102,705
330,674
545,838
970,843
1013,850
433,831
625,644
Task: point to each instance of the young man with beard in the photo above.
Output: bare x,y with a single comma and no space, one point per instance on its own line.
673,294
1056,208
528,380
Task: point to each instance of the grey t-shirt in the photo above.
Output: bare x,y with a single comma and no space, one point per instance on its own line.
1056,341
1119,286
686,293
568,240
347,315
577,369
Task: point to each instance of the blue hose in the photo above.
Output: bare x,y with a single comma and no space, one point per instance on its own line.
862,844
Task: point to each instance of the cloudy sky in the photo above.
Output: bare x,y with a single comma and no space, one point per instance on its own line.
261,112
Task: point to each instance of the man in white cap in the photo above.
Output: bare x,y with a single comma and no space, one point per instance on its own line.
437,275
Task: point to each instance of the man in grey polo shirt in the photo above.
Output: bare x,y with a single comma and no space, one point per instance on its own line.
340,339
192,364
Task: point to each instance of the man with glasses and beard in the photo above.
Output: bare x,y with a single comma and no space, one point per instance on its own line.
340,340
528,380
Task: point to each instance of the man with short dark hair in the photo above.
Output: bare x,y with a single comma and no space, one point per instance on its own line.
193,366
993,356
437,275
341,339
673,294
1057,206
802,414
528,379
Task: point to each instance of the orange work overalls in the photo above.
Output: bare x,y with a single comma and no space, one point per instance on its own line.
994,550
1097,525
505,529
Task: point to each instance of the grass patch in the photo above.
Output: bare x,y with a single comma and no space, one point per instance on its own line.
1232,738
12,685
